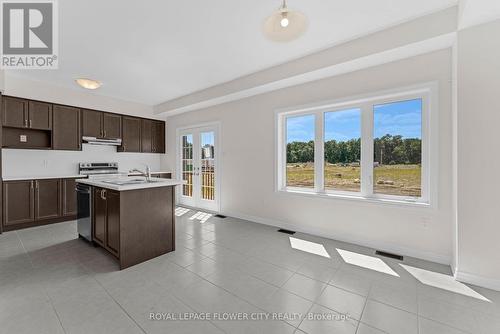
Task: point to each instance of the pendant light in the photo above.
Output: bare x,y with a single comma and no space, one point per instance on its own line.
285,25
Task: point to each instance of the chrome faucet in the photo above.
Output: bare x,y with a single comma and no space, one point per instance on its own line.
146,174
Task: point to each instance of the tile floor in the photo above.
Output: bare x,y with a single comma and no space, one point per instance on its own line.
52,282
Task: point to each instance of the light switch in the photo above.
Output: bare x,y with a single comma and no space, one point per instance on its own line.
23,138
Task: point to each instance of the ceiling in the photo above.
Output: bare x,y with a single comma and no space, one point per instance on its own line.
151,52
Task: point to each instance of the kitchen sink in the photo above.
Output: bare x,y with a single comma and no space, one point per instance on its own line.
126,182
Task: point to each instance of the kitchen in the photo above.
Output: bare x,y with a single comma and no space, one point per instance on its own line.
34,199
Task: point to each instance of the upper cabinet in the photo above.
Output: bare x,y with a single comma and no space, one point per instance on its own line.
15,112
100,124
30,124
111,126
131,134
39,115
92,123
21,113
158,137
66,123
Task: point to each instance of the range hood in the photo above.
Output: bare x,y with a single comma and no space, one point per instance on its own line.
101,141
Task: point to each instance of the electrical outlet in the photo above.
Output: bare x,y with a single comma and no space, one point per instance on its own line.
23,138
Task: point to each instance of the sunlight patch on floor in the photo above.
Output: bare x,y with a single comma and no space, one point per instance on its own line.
309,247
365,261
179,212
201,216
442,281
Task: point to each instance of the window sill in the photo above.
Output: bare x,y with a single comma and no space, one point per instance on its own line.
358,198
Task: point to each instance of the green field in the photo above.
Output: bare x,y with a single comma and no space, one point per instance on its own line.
399,180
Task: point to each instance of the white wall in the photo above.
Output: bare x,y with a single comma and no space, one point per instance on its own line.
2,73
478,155
33,163
247,180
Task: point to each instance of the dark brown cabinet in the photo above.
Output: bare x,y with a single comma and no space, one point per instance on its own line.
101,124
68,193
30,124
66,128
14,112
21,113
47,199
112,126
158,137
146,136
38,202
131,134
91,123
39,115
19,202
106,231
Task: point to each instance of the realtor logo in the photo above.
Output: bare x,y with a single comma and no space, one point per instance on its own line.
29,34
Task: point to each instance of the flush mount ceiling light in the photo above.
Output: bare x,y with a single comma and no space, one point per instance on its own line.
285,25
88,83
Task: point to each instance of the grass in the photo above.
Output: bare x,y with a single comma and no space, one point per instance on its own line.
401,180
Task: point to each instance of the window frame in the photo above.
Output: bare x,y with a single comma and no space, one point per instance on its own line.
427,92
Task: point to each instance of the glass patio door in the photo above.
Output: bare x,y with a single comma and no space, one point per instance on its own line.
198,168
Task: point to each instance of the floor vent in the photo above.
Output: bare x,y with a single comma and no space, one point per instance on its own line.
220,216
286,231
392,256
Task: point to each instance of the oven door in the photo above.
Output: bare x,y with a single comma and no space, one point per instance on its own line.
84,215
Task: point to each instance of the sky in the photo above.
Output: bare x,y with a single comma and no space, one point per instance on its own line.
398,118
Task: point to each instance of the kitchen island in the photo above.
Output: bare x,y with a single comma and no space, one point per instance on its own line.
133,218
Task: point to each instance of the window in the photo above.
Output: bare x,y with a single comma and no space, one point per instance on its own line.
373,148
300,151
343,150
397,168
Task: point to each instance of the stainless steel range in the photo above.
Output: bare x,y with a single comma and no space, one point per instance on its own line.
84,194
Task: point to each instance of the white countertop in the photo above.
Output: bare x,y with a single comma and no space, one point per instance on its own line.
102,184
75,176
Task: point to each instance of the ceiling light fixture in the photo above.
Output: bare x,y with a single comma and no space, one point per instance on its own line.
285,25
88,83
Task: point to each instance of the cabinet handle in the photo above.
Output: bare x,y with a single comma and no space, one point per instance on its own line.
30,123
36,184
103,194
31,184
25,123
104,133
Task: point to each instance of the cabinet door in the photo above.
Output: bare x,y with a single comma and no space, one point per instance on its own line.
146,136
92,123
69,201
112,125
66,128
131,134
15,112
158,137
39,115
18,202
47,199
100,212
113,222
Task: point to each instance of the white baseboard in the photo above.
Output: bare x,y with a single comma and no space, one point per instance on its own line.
485,282
367,242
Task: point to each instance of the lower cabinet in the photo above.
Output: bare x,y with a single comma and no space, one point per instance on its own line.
18,203
47,199
106,231
37,202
